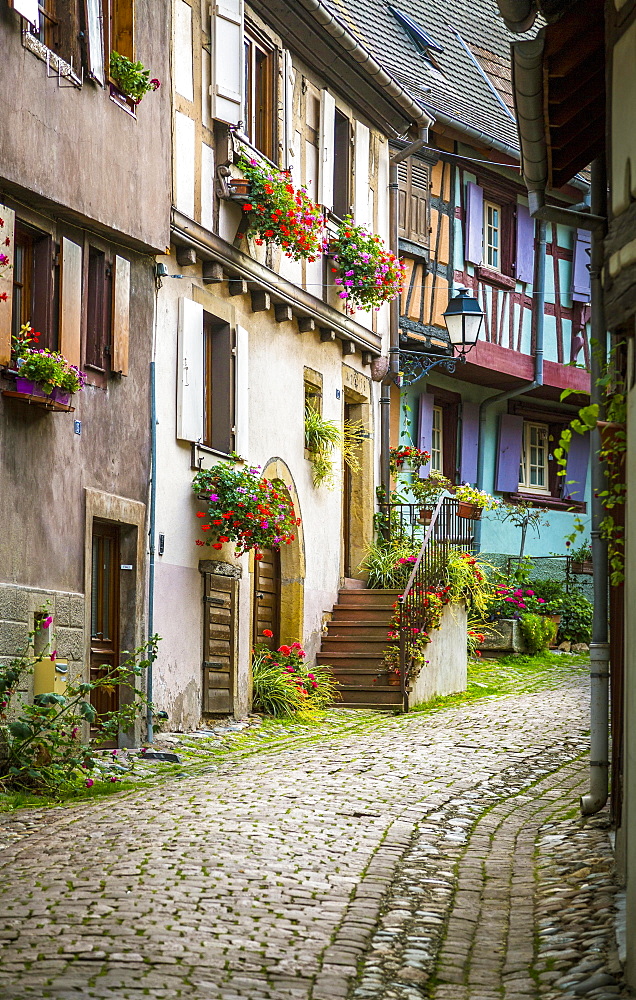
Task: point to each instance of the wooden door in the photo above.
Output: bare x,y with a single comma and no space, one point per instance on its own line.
267,598
104,616
346,504
219,645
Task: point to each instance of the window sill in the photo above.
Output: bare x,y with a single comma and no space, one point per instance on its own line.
205,452
123,102
495,278
550,502
54,63
419,251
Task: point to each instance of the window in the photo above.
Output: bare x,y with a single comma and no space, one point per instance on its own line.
492,235
312,390
118,20
98,310
437,441
58,28
341,165
413,201
533,470
49,32
218,385
260,77
35,284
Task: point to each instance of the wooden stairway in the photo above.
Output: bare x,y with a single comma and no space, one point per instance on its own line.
354,648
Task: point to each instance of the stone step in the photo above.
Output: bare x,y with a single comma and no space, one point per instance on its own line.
354,598
368,612
386,694
360,631
344,660
361,644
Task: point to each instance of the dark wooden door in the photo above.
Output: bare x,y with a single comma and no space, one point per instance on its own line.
346,505
104,616
267,598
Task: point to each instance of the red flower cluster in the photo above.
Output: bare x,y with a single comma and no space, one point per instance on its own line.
409,455
282,214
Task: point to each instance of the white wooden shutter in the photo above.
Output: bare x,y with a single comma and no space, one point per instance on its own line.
241,393
94,40
190,373
228,61
289,82
71,301
121,315
327,137
29,10
7,216
361,176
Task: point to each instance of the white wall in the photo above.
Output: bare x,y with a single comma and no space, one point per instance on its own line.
446,671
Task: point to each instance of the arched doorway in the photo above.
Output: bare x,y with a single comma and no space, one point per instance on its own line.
266,602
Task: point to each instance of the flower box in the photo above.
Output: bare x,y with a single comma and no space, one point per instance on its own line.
586,567
28,387
240,188
471,511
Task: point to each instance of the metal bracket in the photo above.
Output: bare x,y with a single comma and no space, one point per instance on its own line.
414,364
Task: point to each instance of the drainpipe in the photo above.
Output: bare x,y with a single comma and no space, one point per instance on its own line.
599,647
538,305
394,325
151,540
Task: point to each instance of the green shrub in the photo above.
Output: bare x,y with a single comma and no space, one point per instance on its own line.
576,619
548,590
389,564
538,632
283,684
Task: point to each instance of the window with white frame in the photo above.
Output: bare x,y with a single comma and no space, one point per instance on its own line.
492,235
437,441
533,470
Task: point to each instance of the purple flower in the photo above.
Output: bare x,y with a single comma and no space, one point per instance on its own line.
47,622
89,782
213,497
54,654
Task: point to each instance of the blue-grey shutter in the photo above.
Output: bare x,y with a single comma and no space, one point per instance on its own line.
425,428
470,442
581,285
474,249
525,245
509,453
576,470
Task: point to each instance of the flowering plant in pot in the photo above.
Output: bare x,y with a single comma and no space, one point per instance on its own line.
281,214
244,508
43,372
132,79
429,491
474,501
367,274
407,455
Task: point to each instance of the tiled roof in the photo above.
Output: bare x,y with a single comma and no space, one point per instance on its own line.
475,42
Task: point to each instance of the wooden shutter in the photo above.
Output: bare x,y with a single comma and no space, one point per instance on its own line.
71,301
474,240
425,427
42,318
241,393
326,149
121,315
228,61
524,270
220,385
29,10
123,28
219,643
573,487
470,442
509,452
581,283
94,39
7,216
361,176
403,198
190,374
418,202
289,74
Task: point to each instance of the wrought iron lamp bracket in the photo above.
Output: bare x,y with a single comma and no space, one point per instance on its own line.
414,364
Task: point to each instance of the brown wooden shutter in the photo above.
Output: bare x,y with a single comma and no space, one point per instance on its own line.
42,319
6,283
418,209
122,39
121,315
219,385
71,301
219,642
403,198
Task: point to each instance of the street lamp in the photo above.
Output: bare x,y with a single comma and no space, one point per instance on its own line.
463,318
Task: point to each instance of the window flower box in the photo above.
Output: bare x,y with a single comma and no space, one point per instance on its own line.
471,511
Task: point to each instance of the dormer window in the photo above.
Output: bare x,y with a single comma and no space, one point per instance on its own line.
423,41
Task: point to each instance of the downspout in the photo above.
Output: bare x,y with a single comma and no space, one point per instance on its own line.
151,534
538,305
599,647
394,322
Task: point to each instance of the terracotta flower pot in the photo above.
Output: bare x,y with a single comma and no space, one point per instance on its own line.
425,515
469,510
240,186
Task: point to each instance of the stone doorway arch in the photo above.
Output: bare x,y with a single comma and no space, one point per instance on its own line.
292,560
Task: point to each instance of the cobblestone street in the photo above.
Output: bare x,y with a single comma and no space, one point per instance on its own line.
438,855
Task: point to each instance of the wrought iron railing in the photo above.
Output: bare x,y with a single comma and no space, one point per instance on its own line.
402,522
446,532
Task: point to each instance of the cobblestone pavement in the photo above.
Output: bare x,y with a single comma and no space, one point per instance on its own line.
435,855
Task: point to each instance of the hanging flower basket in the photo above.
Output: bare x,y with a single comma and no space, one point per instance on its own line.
366,273
471,511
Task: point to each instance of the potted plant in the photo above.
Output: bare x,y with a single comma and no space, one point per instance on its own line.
131,78
321,437
472,502
42,372
429,491
582,559
407,455
243,508
278,213
367,274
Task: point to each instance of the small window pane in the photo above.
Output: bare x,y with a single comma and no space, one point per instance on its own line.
436,441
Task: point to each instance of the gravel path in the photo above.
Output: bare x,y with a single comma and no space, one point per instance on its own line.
431,855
